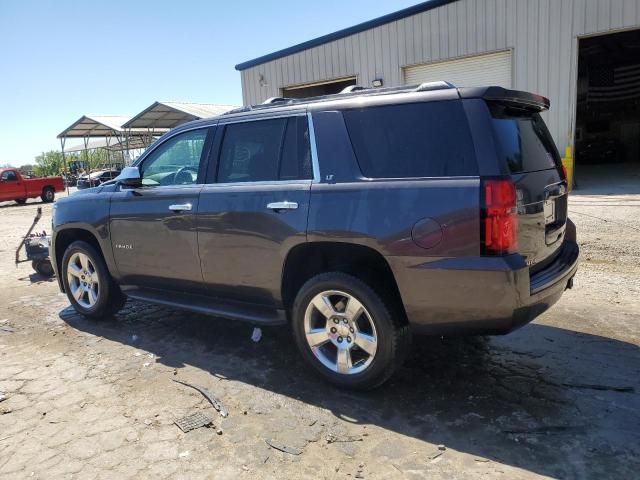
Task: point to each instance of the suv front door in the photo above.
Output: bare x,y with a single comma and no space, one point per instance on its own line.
153,227
254,207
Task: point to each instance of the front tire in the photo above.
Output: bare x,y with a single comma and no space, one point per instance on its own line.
87,282
48,195
346,332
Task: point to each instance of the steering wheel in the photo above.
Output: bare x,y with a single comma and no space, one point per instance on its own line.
183,175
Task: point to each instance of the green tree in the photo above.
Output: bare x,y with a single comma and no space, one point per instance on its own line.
26,169
49,163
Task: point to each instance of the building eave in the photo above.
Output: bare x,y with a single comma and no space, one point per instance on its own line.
361,27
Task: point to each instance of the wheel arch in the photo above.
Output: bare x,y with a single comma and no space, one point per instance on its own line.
65,237
306,260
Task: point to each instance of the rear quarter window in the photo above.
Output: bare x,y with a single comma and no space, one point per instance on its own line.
429,139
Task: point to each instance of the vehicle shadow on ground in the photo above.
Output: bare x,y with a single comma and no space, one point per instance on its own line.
551,401
18,205
36,278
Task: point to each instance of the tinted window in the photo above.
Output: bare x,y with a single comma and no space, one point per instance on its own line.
523,141
9,176
430,139
296,155
265,150
176,161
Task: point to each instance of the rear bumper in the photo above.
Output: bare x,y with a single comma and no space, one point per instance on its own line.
482,295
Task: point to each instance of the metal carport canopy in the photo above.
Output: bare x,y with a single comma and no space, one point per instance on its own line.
167,115
117,145
99,126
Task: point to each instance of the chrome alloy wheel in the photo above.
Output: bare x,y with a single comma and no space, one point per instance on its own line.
83,280
340,332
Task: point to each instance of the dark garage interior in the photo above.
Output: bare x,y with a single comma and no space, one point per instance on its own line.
607,135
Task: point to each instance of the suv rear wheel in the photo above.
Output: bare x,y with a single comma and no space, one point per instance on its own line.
89,286
344,329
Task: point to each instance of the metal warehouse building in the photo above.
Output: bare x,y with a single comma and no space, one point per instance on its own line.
582,54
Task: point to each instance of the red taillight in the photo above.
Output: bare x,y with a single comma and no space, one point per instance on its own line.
500,220
564,173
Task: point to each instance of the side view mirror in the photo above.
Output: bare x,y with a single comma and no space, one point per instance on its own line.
130,177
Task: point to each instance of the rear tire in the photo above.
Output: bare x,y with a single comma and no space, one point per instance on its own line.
21,201
48,195
87,282
334,313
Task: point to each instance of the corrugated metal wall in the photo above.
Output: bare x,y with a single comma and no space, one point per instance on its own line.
542,33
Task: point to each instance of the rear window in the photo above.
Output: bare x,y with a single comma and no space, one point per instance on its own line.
523,141
429,139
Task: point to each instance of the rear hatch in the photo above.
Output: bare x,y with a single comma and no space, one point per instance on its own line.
529,157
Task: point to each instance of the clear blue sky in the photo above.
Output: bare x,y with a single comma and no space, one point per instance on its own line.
62,59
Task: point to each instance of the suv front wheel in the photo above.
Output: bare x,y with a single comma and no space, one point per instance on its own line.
345,330
89,286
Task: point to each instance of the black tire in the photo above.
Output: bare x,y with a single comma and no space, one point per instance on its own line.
48,195
110,298
393,335
21,201
43,267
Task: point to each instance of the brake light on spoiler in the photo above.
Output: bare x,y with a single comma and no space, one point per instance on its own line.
499,217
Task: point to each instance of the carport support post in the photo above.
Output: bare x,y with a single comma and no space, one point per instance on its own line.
86,152
119,139
64,160
127,133
108,140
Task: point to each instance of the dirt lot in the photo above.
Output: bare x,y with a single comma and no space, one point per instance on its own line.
558,398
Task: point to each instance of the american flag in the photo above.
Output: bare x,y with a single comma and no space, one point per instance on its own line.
607,84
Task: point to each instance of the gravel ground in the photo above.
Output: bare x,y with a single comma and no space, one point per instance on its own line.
558,398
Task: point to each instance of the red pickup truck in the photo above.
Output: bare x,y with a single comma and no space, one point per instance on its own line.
13,186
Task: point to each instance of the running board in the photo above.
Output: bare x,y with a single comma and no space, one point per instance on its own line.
208,305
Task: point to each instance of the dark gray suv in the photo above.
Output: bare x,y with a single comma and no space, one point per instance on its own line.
357,218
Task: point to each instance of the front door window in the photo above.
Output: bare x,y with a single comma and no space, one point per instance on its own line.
176,161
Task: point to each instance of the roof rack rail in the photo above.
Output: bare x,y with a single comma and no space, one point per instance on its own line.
439,85
353,88
273,100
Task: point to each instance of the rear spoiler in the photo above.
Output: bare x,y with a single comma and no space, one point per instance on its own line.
515,98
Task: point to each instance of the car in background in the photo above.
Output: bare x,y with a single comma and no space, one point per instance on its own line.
97,178
13,186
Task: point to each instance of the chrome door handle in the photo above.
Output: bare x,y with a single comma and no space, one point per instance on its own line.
180,207
276,206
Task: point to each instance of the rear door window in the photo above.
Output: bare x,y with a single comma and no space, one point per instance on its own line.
524,144
428,139
265,150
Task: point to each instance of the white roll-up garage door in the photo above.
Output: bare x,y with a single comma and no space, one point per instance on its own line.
476,71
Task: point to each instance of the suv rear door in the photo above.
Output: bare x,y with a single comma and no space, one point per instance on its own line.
254,207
